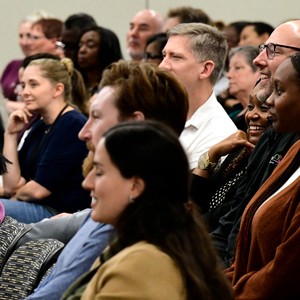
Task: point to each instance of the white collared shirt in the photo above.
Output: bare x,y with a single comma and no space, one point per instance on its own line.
209,125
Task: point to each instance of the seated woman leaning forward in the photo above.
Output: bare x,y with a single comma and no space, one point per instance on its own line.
266,264
162,250
46,173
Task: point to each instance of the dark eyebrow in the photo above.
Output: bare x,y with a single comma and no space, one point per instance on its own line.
139,25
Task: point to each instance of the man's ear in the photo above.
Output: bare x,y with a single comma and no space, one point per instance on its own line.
137,116
206,69
138,186
59,89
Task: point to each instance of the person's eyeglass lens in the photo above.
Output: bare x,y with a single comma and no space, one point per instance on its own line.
271,49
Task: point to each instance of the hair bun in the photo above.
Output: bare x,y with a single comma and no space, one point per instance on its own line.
68,64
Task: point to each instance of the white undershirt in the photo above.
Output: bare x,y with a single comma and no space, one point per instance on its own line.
286,184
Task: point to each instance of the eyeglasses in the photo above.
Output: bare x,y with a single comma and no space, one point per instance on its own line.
60,45
271,49
36,37
148,56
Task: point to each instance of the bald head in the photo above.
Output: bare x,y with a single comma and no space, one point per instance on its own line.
144,24
287,34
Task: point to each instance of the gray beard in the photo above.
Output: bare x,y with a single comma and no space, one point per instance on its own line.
136,54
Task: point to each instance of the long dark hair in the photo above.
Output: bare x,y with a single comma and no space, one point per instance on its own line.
151,151
109,48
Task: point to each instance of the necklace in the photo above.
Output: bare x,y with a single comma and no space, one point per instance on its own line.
47,130
52,125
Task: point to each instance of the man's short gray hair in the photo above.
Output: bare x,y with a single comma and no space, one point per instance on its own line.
207,43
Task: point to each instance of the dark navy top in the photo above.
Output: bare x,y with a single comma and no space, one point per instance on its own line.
58,163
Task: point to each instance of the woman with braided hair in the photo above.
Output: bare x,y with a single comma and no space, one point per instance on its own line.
266,264
45,175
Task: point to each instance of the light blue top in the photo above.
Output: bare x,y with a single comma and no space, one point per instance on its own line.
76,259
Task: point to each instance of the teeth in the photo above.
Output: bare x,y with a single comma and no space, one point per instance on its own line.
262,76
256,127
94,200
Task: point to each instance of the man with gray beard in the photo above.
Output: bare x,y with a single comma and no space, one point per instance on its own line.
143,25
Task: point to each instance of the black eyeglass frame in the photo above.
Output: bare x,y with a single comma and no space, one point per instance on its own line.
261,48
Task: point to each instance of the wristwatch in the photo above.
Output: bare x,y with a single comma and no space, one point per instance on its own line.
204,163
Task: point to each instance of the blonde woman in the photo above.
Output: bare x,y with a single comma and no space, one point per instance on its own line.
46,173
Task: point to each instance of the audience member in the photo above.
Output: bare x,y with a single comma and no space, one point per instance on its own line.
10,78
271,147
44,35
124,85
232,33
186,14
242,75
195,53
166,257
36,116
46,174
98,47
144,24
78,99
213,189
266,264
255,33
72,29
155,45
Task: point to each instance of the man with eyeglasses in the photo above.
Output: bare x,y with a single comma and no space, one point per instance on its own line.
44,35
283,42
271,147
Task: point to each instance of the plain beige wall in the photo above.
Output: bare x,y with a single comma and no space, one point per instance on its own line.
116,14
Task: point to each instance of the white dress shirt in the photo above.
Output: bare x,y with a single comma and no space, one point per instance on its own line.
209,125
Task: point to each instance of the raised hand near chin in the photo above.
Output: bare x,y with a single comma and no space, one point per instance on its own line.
231,144
18,120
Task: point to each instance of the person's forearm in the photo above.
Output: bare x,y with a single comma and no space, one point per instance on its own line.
12,180
32,191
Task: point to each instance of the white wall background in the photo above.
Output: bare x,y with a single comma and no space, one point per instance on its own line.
116,14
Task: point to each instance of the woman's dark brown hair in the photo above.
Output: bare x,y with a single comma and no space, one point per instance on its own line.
160,215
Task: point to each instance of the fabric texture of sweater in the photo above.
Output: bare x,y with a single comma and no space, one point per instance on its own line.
267,261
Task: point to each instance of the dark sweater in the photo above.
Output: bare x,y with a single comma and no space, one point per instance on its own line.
269,151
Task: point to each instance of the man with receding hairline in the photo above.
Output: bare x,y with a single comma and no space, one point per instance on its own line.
143,25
